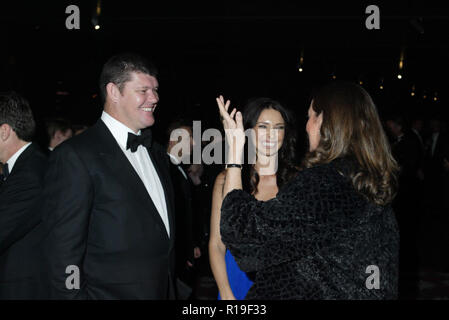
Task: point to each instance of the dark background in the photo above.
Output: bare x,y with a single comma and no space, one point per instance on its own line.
240,49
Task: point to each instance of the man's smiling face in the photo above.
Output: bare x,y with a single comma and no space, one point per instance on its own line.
137,101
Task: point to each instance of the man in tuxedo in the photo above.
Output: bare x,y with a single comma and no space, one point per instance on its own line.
437,151
108,210
406,150
179,149
24,165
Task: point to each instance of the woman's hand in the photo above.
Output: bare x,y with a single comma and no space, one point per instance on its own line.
233,126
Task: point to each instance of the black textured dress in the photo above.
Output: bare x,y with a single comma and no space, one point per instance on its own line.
318,239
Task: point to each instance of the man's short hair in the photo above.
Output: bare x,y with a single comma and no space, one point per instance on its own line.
176,124
16,112
118,70
53,125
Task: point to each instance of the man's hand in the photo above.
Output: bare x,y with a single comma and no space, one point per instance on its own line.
196,252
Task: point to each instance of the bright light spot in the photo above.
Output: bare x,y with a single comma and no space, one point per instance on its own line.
412,93
399,76
300,69
381,87
97,27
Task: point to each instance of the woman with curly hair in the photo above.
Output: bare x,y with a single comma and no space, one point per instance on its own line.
330,233
271,166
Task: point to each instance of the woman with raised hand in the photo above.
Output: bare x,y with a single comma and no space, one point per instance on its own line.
273,145
330,233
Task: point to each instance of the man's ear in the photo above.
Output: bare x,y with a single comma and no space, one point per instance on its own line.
113,92
5,131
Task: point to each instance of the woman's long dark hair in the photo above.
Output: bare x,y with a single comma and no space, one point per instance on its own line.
287,152
351,128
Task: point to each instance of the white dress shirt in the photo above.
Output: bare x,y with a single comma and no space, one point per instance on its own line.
141,162
177,163
12,161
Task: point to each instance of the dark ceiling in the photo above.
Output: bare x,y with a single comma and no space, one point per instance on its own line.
238,48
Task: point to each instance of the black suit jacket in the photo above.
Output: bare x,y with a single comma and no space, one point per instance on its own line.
20,218
184,220
434,163
99,217
441,151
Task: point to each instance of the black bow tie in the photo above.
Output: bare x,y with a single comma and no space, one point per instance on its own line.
134,141
5,171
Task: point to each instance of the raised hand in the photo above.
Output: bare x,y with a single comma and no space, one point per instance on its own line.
227,119
233,126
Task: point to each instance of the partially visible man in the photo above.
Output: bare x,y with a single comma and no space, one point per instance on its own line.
406,149
108,209
437,151
58,131
179,149
24,165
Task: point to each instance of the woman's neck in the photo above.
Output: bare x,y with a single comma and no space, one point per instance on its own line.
267,186
266,165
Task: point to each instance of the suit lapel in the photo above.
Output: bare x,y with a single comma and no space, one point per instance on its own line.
124,171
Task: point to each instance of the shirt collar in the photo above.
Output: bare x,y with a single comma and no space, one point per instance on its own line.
12,161
177,163
118,129
174,160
